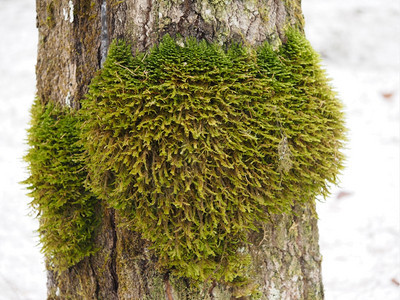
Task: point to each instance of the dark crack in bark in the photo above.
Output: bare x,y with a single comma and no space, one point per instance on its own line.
114,253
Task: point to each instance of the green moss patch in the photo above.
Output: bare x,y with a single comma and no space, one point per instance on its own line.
194,144
66,210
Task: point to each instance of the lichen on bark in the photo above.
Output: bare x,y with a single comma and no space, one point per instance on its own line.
251,21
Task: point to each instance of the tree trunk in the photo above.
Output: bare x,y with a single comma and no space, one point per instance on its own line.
73,40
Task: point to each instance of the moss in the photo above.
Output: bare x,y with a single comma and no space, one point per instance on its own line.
193,145
66,210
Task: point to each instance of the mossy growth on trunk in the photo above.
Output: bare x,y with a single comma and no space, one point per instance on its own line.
194,144
65,208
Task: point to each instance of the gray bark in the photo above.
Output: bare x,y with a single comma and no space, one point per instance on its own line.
73,40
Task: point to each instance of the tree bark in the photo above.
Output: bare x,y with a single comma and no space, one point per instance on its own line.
73,40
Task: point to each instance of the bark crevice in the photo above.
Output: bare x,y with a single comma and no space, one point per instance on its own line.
113,266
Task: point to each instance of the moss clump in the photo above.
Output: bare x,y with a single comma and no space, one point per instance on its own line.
66,210
309,118
193,145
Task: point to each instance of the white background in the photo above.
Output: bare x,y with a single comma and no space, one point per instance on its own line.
359,223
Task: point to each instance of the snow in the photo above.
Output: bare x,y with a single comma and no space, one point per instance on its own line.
22,273
359,223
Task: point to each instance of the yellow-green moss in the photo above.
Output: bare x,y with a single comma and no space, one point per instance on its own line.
66,210
50,19
194,144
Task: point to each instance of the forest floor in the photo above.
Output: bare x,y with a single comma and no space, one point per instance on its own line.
359,223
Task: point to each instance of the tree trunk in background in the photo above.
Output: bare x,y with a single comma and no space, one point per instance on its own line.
73,40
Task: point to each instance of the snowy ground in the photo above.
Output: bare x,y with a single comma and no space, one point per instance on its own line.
359,224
